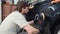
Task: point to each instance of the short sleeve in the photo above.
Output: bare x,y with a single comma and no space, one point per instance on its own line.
20,21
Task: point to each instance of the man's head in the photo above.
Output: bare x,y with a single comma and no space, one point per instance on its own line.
22,7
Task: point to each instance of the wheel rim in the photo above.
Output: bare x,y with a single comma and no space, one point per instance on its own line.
58,32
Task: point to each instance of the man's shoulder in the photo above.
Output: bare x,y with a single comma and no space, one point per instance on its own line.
16,13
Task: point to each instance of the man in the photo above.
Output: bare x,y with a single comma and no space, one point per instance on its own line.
9,25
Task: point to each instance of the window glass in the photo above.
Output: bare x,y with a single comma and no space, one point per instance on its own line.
15,1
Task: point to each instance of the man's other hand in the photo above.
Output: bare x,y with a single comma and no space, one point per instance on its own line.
55,1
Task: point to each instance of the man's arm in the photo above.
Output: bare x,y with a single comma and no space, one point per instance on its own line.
21,22
30,29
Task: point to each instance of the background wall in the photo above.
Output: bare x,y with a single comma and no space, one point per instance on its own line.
0,12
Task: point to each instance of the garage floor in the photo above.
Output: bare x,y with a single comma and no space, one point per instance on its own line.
23,32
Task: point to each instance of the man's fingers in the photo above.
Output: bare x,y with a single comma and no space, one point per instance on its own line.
52,2
56,1
36,31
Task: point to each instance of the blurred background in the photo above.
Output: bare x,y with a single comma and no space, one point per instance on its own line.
0,11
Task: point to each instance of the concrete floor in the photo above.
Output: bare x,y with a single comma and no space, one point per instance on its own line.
23,32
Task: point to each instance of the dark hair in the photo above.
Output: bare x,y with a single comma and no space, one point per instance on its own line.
20,5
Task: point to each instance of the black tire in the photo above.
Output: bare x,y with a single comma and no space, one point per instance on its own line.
57,30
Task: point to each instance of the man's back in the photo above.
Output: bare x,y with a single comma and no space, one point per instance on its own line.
8,26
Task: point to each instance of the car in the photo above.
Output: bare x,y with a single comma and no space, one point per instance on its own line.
51,25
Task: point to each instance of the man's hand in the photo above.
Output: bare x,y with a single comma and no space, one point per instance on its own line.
55,1
31,30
